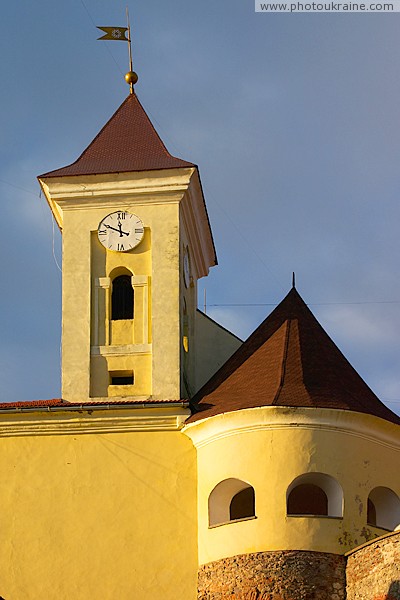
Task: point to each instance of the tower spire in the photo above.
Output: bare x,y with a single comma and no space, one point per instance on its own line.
120,34
131,77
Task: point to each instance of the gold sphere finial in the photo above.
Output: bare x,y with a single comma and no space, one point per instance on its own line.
131,77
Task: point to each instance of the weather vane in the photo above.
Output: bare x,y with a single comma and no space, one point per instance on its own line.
122,34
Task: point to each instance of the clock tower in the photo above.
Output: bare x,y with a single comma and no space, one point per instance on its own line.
136,238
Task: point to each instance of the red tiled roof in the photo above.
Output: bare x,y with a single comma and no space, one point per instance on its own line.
34,403
59,403
290,361
128,142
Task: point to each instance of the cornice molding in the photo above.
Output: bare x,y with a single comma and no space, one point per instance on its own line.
115,199
109,190
367,427
91,420
126,350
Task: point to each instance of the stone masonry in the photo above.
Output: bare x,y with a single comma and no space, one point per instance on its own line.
282,575
373,570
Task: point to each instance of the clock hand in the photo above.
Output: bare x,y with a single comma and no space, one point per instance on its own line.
109,227
121,233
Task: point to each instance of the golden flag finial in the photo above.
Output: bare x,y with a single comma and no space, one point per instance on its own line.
120,34
114,33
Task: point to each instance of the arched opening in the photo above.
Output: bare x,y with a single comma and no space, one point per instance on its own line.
122,298
242,504
314,494
383,508
307,499
231,500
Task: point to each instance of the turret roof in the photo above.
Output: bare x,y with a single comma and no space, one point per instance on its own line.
127,142
289,361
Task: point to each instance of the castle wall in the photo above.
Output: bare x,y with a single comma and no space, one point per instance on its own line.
267,449
373,570
284,575
96,510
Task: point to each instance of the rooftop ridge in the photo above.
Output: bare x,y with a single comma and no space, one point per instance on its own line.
284,364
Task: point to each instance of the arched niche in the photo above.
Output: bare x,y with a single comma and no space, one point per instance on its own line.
117,271
231,500
122,299
122,294
383,508
315,494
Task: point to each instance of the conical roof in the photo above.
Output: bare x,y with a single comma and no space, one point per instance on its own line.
290,361
128,142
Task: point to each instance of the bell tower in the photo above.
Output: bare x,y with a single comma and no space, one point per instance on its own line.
136,238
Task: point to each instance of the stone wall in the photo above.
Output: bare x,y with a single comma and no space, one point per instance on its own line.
373,570
283,575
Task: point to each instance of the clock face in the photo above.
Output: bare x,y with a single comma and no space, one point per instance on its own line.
120,231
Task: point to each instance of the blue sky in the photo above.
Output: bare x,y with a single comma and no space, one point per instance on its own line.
294,123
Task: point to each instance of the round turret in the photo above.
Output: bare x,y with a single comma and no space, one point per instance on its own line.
296,464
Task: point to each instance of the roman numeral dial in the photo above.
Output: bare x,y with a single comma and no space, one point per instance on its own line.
120,231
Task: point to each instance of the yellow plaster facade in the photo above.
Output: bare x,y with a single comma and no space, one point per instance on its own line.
97,504
268,448
151,346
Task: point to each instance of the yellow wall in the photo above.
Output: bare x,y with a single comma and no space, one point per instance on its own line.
267,448
97,514
214,345
187,309
171,206
114,503
84,261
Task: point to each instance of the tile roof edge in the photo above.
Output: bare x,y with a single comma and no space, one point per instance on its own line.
50,175
64,404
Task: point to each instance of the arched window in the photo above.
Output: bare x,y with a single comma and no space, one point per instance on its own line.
307,499
242,504
383,508
315,494
122,298
231,500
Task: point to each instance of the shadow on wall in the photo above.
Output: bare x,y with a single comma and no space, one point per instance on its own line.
394,591
392,594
